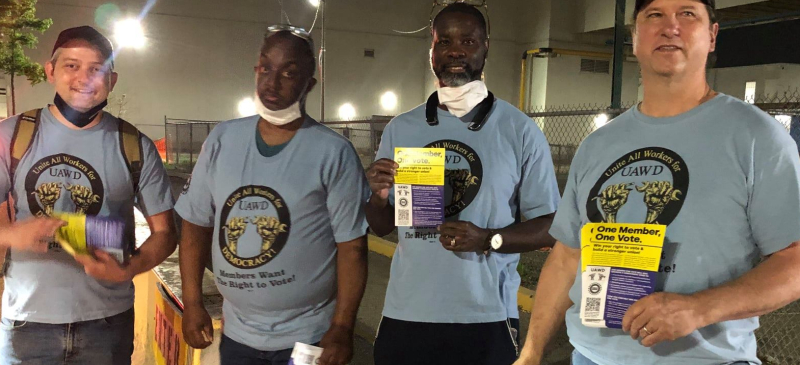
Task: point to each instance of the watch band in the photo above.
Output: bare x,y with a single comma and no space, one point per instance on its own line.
488,242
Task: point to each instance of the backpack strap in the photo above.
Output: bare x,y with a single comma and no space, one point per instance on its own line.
24,131
129,142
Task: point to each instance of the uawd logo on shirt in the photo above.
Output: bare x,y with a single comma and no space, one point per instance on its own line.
53,177
648,185
463,175
250,207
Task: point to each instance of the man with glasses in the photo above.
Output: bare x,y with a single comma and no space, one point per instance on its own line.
724,178
452,294
276,200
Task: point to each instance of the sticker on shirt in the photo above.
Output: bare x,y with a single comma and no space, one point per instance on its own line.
255,226
58,177
648,185
463,175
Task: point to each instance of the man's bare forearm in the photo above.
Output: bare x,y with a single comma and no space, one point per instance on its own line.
351,271
153,252
380,216
527,236
551,301
194,253
158,246
775,282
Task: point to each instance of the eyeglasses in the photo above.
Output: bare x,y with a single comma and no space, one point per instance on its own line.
295,31
473,3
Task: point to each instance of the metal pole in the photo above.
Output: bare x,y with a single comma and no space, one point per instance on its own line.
372,147
322,62
619,48
191,144
166,140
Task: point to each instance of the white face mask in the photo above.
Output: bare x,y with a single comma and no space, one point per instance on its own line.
277,117
462,99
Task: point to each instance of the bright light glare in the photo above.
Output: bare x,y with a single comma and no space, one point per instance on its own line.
247,107
785,120
347,111
389,101
129,33
314,2
600,120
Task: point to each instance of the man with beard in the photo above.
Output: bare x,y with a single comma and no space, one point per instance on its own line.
284,211
452,293
72,157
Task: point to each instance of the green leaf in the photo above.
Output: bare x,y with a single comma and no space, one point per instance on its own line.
18,25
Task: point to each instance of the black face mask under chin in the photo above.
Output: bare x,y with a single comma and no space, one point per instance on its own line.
75,117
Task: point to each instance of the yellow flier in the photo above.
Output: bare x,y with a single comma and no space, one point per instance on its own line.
420,166
72,236
624,245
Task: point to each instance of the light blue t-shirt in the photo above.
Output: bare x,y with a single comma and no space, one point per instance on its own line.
491,175
725,179
81,171
276,222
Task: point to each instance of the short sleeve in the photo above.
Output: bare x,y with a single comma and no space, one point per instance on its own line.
538,189
155,194
6,132
196,203
774,201
567,223
347,191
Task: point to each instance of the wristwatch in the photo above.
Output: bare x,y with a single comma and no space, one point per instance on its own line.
495,241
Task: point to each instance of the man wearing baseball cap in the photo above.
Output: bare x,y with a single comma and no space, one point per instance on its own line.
73,157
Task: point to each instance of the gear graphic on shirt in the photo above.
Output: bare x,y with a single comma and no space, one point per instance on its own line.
82,197
268,228
657,194
460,180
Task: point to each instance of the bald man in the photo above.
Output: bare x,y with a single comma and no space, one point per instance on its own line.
276,200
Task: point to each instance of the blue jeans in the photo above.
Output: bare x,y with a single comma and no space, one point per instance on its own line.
106,341
234,353
578,359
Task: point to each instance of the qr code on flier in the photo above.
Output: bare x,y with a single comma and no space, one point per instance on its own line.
403,216
592,308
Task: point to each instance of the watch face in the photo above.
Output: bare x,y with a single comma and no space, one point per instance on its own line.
497,241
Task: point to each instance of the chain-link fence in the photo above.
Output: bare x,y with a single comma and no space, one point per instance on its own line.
779,335
365,135
184,138
565,127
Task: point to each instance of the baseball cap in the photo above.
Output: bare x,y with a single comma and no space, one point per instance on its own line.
87,34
